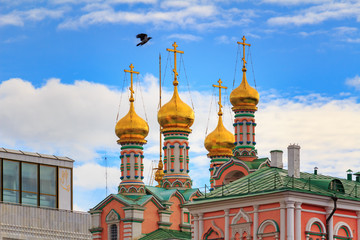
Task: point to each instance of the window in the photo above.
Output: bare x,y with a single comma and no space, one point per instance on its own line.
29,184
11,181
113,232
48,186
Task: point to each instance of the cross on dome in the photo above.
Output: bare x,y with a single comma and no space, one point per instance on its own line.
131,99
175,83
220,87
244,44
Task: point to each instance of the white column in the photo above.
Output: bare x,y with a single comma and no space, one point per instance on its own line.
290,220
298,221
358,225
256,221
282,220
196,227
331,224
227,225
201,225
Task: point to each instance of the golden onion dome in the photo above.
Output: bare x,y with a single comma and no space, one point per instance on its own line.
244,96
131,128
176,115
159,174
220,142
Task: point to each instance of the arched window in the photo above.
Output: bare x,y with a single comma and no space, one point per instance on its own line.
113,232
342,231
315,229
113,225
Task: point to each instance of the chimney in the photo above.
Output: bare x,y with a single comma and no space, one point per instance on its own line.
294,160
357,175
276,158
349,174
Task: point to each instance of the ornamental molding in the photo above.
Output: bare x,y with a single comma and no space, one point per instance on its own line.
342,224
112,217
315,220
241,214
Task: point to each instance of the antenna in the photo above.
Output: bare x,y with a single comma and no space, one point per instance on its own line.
106,175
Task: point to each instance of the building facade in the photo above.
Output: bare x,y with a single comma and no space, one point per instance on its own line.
257,199
138,211
274,203
36,197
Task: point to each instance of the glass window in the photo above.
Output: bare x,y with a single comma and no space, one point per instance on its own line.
29,183
47,186
11,181
113,232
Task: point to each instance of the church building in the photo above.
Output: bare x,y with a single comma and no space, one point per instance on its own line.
257,199
138,211
250,197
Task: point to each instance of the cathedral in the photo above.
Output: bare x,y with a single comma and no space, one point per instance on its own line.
250,197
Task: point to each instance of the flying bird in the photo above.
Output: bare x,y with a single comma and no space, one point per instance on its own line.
143,38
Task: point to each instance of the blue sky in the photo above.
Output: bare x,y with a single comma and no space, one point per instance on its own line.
61,78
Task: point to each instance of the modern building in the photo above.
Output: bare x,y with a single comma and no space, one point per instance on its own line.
37,198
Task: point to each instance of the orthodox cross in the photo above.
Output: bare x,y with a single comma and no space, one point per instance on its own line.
220,87
131,84
174,70
244,44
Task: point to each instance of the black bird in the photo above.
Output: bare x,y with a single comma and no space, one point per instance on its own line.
143,37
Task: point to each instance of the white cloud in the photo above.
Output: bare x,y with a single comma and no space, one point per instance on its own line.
77,120
320,13
345,30
294,2
225,39
197,15
18,18
186,37
353,82
353,40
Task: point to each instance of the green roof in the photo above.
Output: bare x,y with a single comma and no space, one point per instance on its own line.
189,192
165,194
271,180
164,234
162,194
256,163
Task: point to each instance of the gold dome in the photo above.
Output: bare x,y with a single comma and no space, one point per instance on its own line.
131,128
176,115
220,142
159,174
244,96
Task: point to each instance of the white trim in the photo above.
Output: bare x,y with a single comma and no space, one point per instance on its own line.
227,226
282,221
339,225
312,221
214,227
241,214
298,220
255,222
290,219
313,211
233,214
265,224
345,216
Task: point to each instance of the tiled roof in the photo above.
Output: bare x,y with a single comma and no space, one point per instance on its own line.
161,193
166,234
256,163
270,180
